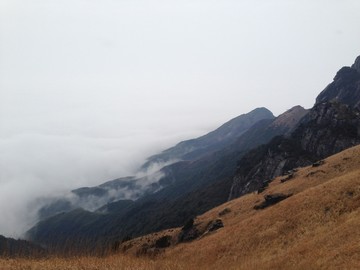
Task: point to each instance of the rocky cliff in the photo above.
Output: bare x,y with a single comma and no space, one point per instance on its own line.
331,126
345,88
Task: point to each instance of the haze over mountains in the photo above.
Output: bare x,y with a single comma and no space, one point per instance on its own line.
179,134
157,167
241,156
89,89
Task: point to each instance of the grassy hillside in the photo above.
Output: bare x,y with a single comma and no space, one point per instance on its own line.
315,228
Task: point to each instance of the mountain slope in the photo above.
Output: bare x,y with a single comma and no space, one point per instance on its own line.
10,247
329,127
263,133
215,140
151,178
190,188
189,176
315,228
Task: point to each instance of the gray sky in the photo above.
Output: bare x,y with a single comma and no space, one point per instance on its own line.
89,88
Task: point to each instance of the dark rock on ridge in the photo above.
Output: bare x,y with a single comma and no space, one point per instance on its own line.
356,65
224,212
189,234
287,178
163,242
271,199
318,163
215,225
188,225
345,88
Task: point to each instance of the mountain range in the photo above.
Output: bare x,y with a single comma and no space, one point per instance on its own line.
155,174
242,156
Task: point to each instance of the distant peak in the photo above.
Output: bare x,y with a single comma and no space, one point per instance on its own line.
356,65
295,109
291,117
262,110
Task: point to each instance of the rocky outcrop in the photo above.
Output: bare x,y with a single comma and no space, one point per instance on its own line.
345,88
163,242
271,199
191,231
356,65
188,232
331,126
224,212
261,165
215,225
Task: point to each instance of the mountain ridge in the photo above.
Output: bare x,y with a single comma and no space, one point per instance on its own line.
212,141
270,148
150,178
193,187
332,125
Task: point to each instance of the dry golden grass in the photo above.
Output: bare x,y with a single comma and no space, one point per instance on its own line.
316,228
81,263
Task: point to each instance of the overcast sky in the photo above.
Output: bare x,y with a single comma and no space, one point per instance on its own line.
89,88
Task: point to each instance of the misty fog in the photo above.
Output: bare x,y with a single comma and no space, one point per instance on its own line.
90,88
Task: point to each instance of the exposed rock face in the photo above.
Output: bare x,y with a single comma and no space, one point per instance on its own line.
163,242
190,231
262,164
188,225
224,212
189,235
215,225
345,88
331,126
356,65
